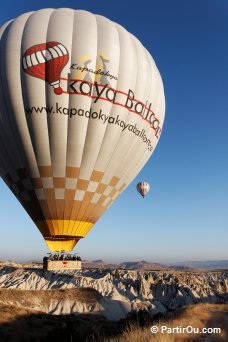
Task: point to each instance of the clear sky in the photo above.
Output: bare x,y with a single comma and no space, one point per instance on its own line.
185,215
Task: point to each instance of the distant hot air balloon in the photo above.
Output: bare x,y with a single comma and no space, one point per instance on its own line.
67,154
143,188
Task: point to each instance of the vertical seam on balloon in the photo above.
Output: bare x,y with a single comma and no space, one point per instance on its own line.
129,113
22,160
73,226
85,218
37,201
68,122
3,122
10,123
28,125
117,144
48,205
129,117
46,98
94,208
145,155
4,150
14,132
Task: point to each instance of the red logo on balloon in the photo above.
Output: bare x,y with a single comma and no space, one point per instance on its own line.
46,61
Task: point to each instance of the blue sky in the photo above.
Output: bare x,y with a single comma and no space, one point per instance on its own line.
185,215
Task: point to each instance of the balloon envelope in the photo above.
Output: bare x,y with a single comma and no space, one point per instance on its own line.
81,111
143,188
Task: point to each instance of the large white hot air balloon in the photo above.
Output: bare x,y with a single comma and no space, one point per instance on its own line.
81,111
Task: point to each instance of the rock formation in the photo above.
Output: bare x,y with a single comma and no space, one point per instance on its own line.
113,293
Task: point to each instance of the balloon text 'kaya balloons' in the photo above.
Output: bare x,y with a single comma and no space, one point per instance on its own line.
81,111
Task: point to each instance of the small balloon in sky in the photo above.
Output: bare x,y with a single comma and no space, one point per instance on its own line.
143,188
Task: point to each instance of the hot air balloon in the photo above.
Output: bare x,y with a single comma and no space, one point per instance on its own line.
81,111
143,188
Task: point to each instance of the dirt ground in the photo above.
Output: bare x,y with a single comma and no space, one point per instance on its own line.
39,298
20,322
196,316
